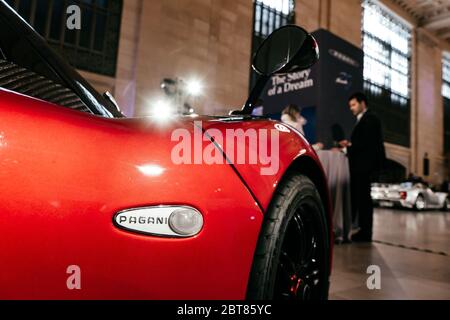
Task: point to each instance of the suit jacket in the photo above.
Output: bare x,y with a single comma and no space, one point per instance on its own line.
366,153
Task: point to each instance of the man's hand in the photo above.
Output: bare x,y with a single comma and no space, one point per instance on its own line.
345,143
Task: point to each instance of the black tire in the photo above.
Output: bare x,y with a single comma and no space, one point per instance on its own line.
418,207
296,204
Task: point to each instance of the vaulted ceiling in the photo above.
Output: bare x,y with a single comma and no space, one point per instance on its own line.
433,15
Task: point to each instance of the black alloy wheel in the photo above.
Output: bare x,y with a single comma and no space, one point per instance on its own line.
292,259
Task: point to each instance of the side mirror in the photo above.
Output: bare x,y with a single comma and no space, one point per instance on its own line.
287,49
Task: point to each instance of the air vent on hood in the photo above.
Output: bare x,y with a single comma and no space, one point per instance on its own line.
18,79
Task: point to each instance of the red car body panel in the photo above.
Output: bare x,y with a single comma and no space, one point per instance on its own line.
295,154
292,147
65,174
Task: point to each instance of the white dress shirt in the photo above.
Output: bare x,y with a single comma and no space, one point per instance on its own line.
359,116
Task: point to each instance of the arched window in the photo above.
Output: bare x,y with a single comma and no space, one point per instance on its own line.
92,48
446,96
446,75
387,51
387,69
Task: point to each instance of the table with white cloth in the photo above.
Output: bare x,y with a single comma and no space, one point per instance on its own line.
336,167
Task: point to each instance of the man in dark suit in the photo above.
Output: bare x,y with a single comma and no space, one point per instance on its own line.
366,156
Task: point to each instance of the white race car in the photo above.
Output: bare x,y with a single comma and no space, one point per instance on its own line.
416,196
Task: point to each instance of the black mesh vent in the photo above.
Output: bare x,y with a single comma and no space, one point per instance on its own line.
17,79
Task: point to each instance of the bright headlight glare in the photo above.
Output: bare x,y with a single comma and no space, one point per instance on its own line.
186,222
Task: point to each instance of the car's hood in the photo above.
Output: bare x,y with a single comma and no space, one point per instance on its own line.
164,124
166,143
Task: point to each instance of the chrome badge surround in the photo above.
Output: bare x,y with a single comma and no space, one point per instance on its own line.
282,128
152,221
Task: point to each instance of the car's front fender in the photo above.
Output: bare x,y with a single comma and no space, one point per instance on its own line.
65,174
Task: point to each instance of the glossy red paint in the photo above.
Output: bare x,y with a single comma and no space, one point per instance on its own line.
294,151
295,154
65,174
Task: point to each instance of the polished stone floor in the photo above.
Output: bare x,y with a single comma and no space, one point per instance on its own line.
412,251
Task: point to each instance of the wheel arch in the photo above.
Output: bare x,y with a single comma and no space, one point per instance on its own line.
420,194
312,168
309,167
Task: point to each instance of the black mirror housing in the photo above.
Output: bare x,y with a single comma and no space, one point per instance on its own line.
287,49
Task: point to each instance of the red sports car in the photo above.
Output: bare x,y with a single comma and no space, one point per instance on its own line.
94,205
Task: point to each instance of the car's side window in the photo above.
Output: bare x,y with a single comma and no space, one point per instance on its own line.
23,70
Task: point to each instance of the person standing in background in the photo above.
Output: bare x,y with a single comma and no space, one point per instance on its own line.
292,116
366,155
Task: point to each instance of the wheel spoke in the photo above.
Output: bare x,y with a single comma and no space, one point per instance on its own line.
293,268
298,224
302,241
312,276
285,276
